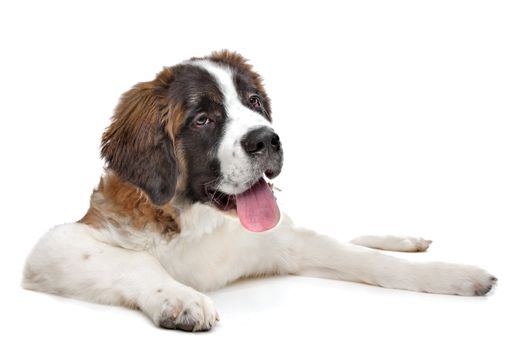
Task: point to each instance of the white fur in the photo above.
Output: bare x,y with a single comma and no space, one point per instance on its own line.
393,243
236,168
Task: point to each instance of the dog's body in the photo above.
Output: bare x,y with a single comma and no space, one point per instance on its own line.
172,215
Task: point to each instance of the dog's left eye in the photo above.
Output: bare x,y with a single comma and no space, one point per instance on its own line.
255,101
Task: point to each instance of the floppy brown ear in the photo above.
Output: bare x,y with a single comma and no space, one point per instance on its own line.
137,147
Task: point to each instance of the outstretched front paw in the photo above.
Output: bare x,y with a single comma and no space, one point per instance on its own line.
193,313
414,244
456,279
476,282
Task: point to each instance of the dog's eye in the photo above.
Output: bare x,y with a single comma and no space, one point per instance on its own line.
201,121
255,101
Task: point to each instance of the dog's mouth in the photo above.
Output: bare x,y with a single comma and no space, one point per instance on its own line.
220,200
256,207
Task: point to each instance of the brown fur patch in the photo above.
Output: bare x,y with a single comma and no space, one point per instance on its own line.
173,125
124,206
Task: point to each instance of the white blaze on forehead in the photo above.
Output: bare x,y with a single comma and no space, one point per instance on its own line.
238,172
224,79
232,102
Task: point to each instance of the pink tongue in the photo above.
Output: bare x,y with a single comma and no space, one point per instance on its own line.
257,208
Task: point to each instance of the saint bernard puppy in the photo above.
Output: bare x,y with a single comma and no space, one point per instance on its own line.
188,158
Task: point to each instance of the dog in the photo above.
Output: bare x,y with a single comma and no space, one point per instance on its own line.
185,206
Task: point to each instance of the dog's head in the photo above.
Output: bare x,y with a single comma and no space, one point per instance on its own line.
200,132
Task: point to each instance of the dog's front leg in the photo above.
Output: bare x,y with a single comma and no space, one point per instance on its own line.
316,255
68,261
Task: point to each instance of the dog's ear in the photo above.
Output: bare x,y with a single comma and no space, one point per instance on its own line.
136,145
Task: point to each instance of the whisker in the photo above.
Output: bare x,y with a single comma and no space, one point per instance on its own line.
212,181
216,190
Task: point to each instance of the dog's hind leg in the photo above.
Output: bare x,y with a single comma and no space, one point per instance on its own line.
393,243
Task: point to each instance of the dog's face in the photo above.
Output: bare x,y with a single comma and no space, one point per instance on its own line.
200,132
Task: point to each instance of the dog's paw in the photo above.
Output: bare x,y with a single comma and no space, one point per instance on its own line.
195,312
413,244
456,279
475,282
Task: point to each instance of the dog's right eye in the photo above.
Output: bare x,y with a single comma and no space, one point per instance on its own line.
201,121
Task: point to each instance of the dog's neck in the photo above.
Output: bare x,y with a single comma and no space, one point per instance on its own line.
120,205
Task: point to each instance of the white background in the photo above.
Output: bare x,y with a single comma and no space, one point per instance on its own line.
401,117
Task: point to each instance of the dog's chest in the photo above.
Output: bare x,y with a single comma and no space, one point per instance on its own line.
212,250
212,260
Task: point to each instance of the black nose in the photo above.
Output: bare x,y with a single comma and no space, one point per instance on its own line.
261,140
